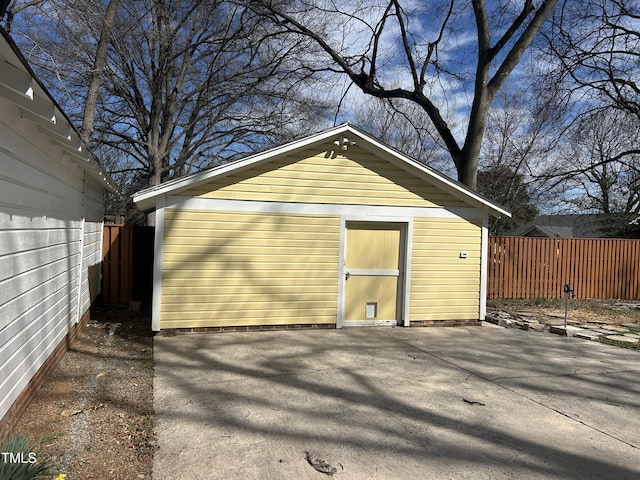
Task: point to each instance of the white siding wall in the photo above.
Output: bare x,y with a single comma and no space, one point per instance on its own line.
92,245
50,245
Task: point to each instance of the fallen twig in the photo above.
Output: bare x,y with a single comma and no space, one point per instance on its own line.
320,465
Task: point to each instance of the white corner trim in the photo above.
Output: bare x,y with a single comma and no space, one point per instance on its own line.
156,301
406,281
484,245
341,272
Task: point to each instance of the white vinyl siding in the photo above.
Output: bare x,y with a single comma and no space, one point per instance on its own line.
50,249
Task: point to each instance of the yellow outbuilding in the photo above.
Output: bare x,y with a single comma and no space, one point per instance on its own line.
334,230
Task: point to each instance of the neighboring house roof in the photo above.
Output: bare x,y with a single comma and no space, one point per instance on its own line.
19,85
563,226
146,199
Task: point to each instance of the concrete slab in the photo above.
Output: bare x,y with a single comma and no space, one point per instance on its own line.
536,326
568,331
588,335
396,403
617,328
604,331
558,330
622,338
632,326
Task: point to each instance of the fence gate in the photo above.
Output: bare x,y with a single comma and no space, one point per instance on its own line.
127,263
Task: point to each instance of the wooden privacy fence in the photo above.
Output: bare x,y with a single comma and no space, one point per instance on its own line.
523,267
127,263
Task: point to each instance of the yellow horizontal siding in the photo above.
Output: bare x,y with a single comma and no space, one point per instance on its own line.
443,285
319,176
235,275
239,268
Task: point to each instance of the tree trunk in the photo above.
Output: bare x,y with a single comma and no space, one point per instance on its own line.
100,61
363,67
468,172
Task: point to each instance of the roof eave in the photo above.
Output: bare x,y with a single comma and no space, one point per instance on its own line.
146,199
22,87
453,187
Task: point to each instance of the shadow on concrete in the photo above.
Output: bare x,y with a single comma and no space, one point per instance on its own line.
401,399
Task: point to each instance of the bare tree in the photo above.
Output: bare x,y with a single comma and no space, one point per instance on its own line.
512,190
610,182
176,85
403,125
97,73
594,48
403,50
11,8
524,131
596,44
191,83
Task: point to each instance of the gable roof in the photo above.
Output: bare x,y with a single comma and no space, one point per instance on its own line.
564,226
345,133
20,86
560,226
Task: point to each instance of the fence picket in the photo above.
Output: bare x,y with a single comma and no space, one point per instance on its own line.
126,270
523,267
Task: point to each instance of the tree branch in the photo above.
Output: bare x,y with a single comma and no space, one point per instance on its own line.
514,55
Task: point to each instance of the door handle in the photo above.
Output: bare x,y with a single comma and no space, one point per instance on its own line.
347,275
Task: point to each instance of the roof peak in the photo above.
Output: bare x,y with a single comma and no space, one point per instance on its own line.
146,198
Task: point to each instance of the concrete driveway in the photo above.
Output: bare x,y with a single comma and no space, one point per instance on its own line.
395,403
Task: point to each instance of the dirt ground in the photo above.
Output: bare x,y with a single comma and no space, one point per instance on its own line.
94,415
594,317
580,311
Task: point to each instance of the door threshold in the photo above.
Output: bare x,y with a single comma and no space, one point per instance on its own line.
370,323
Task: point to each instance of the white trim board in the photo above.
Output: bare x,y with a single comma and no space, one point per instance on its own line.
366,272
369,323
355,212
484,266
156,300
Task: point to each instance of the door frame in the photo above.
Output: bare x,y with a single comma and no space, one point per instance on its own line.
404,283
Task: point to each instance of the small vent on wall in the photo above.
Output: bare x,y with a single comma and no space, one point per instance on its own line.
344,142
